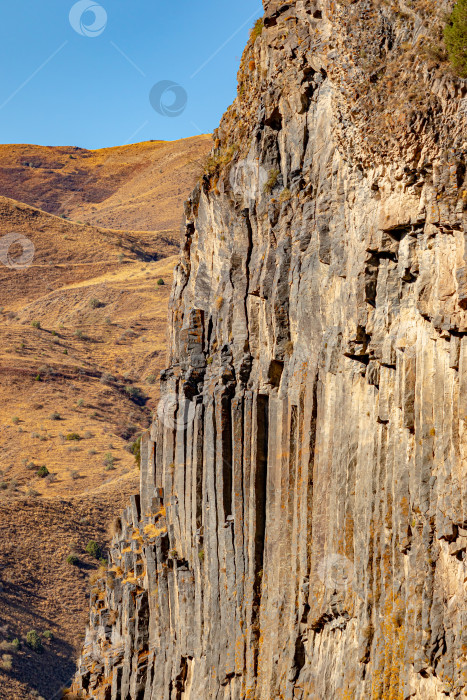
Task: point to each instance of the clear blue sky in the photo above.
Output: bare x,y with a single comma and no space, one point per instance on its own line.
60,86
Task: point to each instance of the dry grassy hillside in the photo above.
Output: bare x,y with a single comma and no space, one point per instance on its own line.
82,342
41,591
136,187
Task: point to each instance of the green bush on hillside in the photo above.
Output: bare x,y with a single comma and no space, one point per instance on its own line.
34,641
135,449
93,549
455,36
135,394
73,436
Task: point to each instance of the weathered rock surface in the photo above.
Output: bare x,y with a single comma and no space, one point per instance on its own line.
301,529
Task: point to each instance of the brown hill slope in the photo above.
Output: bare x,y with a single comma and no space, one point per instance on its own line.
67,252
135,187
41,591
82,341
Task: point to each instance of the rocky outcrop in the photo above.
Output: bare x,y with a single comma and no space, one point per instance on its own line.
301,528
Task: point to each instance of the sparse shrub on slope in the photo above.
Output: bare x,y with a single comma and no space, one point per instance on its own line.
96,303
109,461
126,431
93,549
135,449
34,642
455,36
6,662
135,394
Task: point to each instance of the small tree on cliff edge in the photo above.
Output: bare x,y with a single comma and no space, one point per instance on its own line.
455,36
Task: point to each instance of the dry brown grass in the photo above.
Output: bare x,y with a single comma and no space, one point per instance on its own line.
46,394
80,330
140,186
41,591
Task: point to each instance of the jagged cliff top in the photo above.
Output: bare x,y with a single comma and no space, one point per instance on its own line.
396,94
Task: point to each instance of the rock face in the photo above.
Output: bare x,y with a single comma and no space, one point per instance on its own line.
301,528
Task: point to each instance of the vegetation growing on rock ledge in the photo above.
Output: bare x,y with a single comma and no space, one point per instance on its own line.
271,181
257,29
455,36
222,157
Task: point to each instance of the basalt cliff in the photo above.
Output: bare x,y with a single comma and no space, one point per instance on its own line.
301,527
